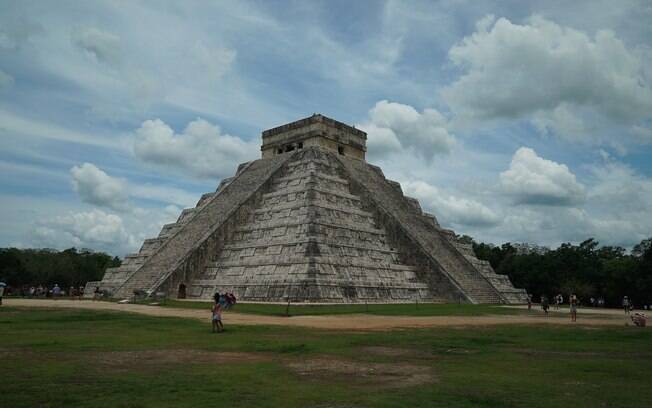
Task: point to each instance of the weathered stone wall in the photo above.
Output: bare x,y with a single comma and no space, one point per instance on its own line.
420,231
199,259
191,237
315,131
309,240
427,270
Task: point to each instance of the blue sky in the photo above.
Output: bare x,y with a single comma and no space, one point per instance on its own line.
510,121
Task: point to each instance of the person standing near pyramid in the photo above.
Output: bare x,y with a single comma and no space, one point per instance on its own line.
216,317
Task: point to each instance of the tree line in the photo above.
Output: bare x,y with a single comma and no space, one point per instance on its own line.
71,267
587,269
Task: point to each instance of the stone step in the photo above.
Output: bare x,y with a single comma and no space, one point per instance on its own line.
277,260
310,175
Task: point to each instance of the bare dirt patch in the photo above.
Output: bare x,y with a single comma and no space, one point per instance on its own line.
363,373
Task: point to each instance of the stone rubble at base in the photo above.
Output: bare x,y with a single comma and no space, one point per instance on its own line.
311,221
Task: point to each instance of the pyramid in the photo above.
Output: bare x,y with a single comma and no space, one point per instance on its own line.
311,221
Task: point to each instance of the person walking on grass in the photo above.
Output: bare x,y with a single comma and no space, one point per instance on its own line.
573,308
216,318
558,301
545,305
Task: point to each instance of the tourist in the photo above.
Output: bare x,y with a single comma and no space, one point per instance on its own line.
56,290
529,302
2,290
230,300
559,299
97,293
216,318
626,304
638,319
573,308
592,300
545,304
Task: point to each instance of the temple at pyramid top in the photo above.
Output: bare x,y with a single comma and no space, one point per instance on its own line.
316,130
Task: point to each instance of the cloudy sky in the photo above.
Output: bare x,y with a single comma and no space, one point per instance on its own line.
511,121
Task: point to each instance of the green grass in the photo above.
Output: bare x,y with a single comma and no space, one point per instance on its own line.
92,358
407,309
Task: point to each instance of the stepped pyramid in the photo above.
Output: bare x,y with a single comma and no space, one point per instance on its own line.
311,221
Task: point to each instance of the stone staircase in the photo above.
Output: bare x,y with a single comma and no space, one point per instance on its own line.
309,239
451,256
194,226
115,278
501,283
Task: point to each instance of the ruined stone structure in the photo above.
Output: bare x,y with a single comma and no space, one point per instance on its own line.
310,221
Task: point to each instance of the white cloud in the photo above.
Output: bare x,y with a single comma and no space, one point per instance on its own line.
393,127
92,229
96,187
531,179
450,209
102,45
513,70
563,122
200,150
100,230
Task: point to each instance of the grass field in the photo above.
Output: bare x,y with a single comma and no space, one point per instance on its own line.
92,358
406,309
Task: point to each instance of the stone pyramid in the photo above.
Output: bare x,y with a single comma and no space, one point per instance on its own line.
311,221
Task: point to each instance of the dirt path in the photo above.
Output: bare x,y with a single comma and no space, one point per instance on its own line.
341,322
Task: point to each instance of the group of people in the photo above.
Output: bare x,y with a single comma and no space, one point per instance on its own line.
45,291
639,319
559,300
596,302
222,302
